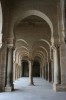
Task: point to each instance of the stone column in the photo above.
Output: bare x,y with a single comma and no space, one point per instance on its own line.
31,72
56,67
46,71
52,66
16,72
52,70
20,72
43,72
9,81
49,71
13,71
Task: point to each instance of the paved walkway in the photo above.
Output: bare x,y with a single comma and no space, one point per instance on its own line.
41,91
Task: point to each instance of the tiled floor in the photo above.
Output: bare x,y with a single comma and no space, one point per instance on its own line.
42,90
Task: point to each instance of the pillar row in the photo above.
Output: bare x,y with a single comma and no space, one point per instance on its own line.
31,72
9,75
14,71
43,72
49,71
56,67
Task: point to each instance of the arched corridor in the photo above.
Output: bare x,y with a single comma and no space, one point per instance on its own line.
33,49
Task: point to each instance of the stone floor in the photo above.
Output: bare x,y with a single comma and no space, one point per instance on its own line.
42,90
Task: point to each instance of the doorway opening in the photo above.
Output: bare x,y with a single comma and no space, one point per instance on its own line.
25,68
36,69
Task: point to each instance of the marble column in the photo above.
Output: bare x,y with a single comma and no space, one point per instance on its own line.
14,71
56,67
9,79
46,71
49,71
52,66
31,72
43,72
56,74
18,72
52,71
21,70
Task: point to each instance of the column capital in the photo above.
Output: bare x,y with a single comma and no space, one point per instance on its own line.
9,72
10,42
57,45
11,48
31,59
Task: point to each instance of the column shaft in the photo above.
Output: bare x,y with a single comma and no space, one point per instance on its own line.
14,71
9,81
49,72
56,74
40,72
46,71
43,72
30,73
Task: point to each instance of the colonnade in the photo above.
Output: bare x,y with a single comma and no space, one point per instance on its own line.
14,71
47,73
50,71
9,75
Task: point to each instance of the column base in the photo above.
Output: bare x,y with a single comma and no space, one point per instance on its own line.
59,87
30,84
9,88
